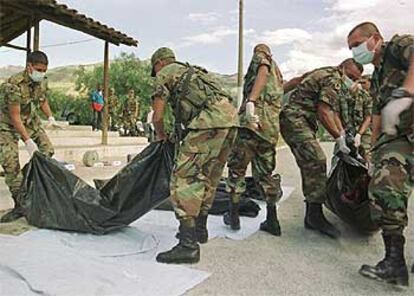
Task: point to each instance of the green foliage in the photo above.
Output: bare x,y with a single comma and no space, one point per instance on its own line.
80,106
126,72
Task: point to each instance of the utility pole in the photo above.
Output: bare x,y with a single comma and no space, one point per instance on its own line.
240,63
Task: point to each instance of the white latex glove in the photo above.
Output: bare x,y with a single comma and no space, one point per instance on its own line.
390,115
53,124
341,142
357,140
250,113
371,168
31,147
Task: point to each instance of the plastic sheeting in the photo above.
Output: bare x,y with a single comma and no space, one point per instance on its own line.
55,198
347,191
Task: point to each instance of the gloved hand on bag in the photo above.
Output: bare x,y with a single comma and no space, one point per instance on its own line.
250,113
341,142
31,147
357,140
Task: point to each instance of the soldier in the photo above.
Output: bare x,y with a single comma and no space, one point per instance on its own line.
316,99
130,113
392,153
210,121
355,107
112,108
20,98
257,139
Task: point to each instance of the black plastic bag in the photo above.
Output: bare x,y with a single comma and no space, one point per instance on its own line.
55,198
248,207
347,193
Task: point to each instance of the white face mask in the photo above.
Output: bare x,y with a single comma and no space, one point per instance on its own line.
37,76
362,54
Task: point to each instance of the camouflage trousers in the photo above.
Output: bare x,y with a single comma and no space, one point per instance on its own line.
365,148
9,156
199,167
301,138
391,185
250,148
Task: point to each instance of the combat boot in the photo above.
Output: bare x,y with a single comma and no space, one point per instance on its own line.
392,269
16,213
232,217
271,224
201,228
315,220
187,250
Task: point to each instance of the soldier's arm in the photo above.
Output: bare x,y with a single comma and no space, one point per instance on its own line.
291,84
259,83
376,128
365,125
158,105
409,80
14,112
44,106
327,117
338,122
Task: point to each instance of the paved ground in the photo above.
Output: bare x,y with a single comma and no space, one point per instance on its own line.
300,262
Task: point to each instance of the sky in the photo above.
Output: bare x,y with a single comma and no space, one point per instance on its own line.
303,34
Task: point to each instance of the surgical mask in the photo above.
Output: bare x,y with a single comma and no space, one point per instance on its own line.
348,82
37,76
362,54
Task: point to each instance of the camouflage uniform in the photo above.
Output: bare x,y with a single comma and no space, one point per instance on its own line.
211,121
20,90
392,182
256,143
113,109
130,113
353,109
298,125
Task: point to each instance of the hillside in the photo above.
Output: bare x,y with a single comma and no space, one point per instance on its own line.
63,78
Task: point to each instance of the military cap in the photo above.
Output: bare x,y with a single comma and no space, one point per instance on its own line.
160,54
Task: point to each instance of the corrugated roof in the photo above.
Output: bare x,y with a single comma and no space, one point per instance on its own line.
15,15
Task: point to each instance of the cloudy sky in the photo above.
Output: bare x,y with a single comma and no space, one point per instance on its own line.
303,34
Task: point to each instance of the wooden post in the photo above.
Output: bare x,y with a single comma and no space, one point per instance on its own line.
36,36
28,38
240,62
105,122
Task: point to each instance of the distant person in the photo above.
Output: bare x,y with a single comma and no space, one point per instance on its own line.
149,126
20,97
130,114
97,101
113,109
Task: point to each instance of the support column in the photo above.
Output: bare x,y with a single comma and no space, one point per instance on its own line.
36,36
28,38
105,122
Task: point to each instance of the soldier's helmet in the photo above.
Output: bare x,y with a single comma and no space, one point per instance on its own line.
160,54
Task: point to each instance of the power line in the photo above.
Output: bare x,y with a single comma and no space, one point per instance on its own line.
61,44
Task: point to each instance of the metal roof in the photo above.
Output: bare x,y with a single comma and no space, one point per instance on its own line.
15,16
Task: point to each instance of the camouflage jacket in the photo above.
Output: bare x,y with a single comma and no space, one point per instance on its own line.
131,106
269,103
321,85
354,108
203,105
20,90
389,75
112,103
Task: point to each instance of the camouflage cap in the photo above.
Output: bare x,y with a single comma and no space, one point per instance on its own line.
160,54
262,48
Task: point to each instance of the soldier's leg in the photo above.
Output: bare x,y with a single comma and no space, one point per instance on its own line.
311,160
241,155
9,160
42,140
200,159
263,165
389,191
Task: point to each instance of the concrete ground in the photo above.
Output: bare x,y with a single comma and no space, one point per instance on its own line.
300,262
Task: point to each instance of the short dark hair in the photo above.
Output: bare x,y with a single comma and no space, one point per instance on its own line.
37,57
367,29
352,61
